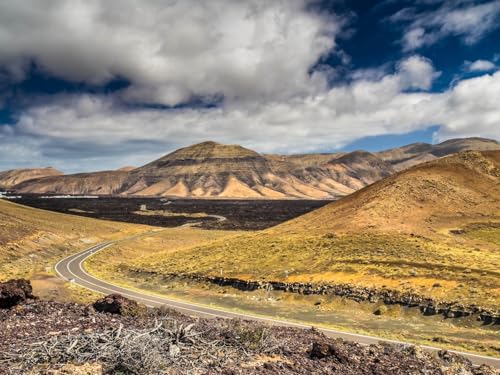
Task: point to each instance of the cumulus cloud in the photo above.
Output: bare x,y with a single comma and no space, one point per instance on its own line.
471,108
417,72
463,19
480,66
97,125
172,51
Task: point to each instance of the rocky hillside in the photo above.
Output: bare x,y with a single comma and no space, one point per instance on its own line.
13,177
115,335
213,170
207,169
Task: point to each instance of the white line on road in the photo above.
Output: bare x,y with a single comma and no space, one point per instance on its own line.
211,311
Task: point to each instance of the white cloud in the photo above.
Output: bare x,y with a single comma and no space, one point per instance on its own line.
481,66
172,50
471,108
255,54
98,129
417,72
469,21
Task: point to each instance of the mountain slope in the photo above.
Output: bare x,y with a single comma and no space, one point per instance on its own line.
465,185
97,183
407,156
433,230
203,170
13,177
31,239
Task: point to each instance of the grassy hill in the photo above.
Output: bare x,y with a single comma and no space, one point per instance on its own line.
433,230
32,240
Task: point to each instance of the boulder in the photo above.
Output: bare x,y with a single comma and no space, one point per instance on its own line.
14,292
117,304
324,349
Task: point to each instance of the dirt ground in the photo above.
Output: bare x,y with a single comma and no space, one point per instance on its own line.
47,338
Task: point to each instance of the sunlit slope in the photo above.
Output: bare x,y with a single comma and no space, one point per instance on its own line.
169,242
13,177
97,183
456,189
434,230
32,239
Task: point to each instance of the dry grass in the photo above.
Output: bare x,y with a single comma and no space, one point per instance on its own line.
32,240
169,243
447,192
397,262
397,233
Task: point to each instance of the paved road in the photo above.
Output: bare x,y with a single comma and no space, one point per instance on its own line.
71,268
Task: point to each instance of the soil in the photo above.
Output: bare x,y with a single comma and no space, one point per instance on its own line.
39,337
240,214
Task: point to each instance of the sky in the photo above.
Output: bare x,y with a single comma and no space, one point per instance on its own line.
92,85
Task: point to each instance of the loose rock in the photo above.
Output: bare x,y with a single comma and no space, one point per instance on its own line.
14,292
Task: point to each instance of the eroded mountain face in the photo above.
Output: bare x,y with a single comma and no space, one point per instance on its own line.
213,170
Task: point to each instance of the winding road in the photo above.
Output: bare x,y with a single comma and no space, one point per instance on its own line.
71,269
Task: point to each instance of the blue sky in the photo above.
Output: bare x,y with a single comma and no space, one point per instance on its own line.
87,85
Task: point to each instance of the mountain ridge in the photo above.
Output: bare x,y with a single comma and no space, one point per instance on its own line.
213,170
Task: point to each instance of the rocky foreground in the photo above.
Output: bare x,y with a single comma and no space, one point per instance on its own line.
117,336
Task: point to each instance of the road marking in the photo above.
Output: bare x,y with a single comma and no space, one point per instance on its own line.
180,305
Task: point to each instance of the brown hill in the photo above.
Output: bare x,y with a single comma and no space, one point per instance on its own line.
461,187
358,169
210,169
13,177
97,183
407,156
213,170
206,169
33,239
126,168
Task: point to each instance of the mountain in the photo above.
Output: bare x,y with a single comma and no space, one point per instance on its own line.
358,169
213,170
126,168
13,177
203,170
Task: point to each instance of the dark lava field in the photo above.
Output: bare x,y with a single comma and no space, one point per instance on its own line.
240,214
